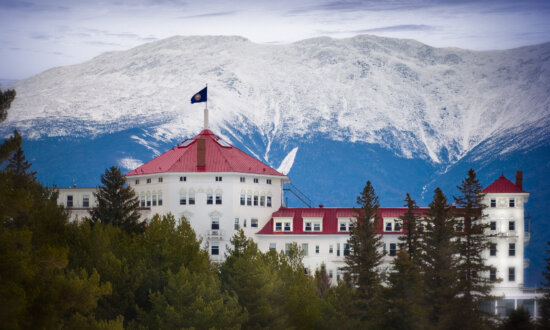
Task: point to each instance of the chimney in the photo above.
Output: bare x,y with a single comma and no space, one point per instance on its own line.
519,179
201,153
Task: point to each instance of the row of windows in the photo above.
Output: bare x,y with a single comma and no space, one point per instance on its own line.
149,200
511,202
190,199
85,201
341,248
253,223
511,274
255,200
217,179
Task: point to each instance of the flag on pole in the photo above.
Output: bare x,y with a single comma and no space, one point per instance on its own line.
200,96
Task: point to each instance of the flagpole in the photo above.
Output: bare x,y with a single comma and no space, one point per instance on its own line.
206,109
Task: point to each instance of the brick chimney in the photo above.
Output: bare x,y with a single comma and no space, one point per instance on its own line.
201,153
519,179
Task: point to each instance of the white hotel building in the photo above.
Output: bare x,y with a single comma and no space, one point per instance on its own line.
220,189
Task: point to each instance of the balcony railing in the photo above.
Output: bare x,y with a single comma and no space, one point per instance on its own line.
214,234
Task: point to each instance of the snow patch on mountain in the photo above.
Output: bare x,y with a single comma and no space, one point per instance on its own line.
288,161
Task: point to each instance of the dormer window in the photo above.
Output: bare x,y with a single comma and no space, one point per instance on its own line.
342,226
288,227
282,225
278,226
312,225
512,202
388,226
345,224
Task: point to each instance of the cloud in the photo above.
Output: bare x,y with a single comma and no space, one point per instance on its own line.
215,14
397,28
29,6
129,163
40,36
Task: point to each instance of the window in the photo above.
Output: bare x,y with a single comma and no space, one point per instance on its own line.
242,199
262,200
346,249
268,181
307,226
69,200
330,274
511,274
493,225
218,199
287,248
215,223
493,202
86,201
338,274
350,225
316,249
183,178
512,249
249,200
278,226
305,249
493,274
397,226
287,226
183,199
393,249
316,226
255,180
511,225
236,223
160,198
160,179
191,198
255,200
337,249
243,180
215,249
388,226
218,179
137,181
154,199
209,199
148,200
512,202
149,180
268,201
142,203
244,223
330,249
254,223
342,226
493,250
273,246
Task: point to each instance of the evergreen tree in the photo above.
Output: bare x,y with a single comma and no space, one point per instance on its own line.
322,280
519,319
474,285
117,203
439,261
403,299
19,168
9,146
411,221
365,253
5,103
544,311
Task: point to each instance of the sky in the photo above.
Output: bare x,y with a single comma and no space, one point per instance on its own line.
36,35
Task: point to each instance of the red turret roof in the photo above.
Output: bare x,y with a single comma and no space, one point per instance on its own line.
502,185
219,156
329,218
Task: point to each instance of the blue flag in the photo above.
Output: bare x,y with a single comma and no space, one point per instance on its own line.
200,96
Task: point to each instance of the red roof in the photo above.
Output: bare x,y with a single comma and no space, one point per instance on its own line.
502,185
220,156
330,219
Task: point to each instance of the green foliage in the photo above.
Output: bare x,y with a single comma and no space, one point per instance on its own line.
365,253
117,203
519,319
439,261
6,98
9,146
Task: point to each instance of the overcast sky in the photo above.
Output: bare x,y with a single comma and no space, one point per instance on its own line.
36,35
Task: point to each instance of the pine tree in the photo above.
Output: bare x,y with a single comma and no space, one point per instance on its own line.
439,261
9,146
411,221
365,253
19,168
117,204
5,103
544,317
403,299
474,284
322,280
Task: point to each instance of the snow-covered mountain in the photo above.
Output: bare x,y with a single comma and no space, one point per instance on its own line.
332,112
417,100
